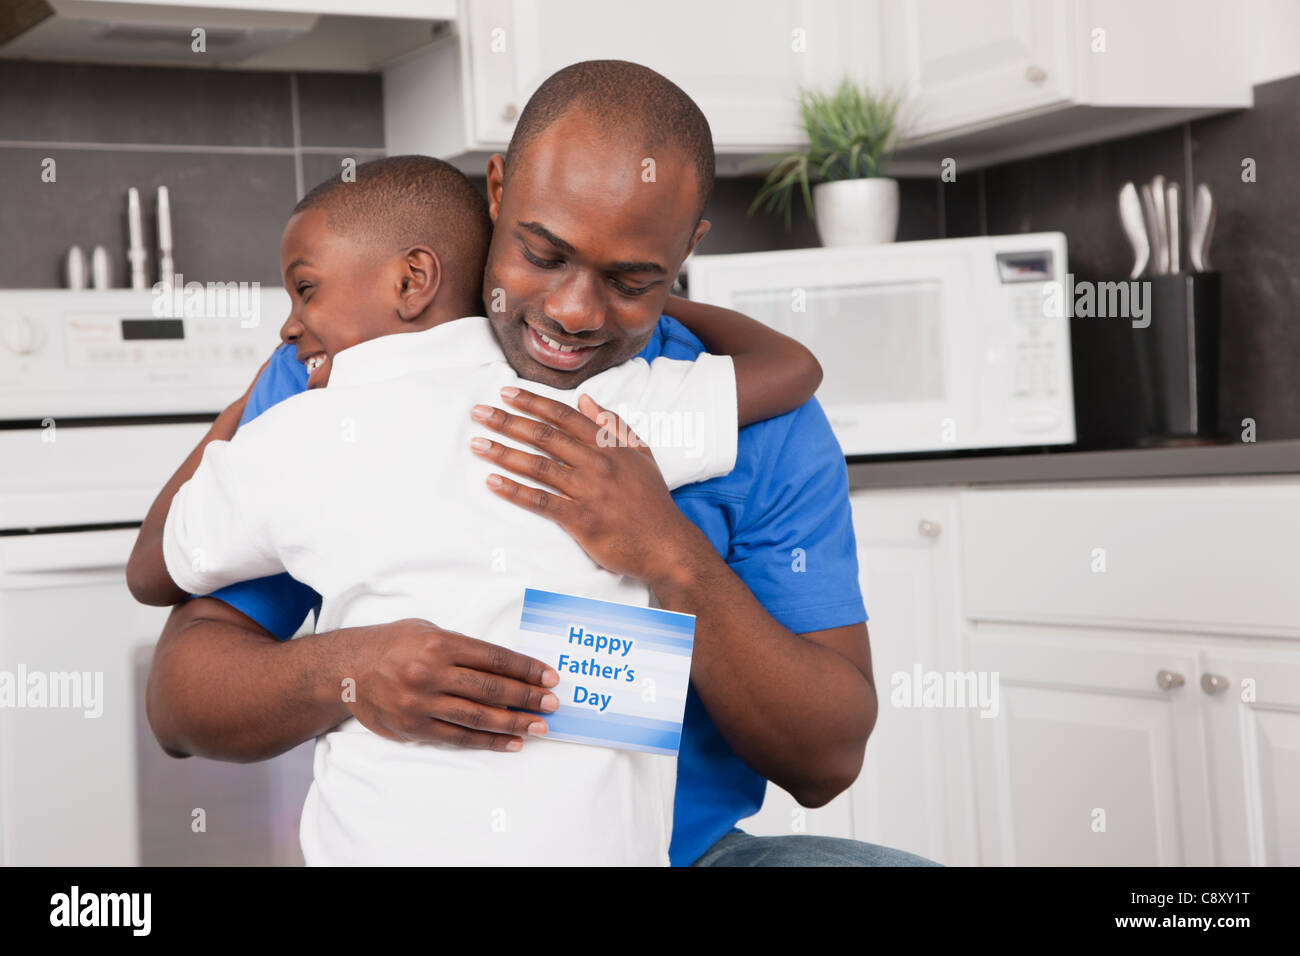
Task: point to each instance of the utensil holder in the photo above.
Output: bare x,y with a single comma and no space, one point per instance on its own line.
1178,358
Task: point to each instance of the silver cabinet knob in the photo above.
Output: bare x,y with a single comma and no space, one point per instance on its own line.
929,529
1214,683
1168,680
1035,74
510,112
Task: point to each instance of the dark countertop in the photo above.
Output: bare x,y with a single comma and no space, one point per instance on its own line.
1258,458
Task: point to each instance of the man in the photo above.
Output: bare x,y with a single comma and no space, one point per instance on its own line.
596,205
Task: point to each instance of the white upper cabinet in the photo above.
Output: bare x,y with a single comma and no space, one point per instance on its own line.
993,80
743,65
965,62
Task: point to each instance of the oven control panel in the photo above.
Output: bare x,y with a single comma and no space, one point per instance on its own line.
120,352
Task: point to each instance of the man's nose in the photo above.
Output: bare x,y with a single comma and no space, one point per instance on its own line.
576,304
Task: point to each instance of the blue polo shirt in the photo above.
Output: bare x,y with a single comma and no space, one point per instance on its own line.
780,520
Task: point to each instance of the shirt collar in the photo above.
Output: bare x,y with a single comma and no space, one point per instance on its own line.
459,343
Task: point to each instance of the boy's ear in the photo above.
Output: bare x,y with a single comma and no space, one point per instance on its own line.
420,279
496,177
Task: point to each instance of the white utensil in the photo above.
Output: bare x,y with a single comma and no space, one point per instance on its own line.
1198,238
1171,211
100,277
1162,223
166,266
74,269
1130,217
135,253
1155,231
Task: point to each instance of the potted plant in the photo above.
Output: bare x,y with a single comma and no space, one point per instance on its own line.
852,134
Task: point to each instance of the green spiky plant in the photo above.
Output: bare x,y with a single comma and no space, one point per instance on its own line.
852,134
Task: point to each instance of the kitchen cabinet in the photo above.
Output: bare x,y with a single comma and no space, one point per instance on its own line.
915,790
1250,701
1096,756
1145,638
1179,556
1140,640
962,63
459,98
987,81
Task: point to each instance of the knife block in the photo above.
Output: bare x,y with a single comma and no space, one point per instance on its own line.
1177,359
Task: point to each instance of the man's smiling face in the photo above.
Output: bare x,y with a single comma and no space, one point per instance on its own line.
584,250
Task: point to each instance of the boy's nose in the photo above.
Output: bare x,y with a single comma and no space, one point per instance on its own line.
290,331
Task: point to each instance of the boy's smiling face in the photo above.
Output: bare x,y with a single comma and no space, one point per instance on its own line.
341,292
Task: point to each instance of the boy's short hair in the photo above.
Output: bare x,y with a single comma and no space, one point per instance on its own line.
402,201
632,103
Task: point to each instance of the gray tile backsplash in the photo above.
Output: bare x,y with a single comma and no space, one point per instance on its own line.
71,102
224,143
228,210
1256,248
341,109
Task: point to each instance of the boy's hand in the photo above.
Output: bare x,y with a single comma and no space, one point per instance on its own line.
611,495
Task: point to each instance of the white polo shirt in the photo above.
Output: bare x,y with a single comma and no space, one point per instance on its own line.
368,492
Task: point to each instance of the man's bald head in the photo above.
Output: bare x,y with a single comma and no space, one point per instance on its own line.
630,103
400,202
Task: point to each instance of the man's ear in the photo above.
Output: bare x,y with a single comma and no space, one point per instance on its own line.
700,230
496,178
419,280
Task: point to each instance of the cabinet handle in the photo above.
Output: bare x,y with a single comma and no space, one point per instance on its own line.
510,112
1214,683
929,529
1035,74
1168,680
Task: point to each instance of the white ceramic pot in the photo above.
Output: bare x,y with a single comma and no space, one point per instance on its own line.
856,212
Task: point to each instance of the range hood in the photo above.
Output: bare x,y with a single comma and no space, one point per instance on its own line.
107,31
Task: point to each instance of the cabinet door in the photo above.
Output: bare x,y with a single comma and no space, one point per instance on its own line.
963,63
1089,760
742,64
1252,707
915,791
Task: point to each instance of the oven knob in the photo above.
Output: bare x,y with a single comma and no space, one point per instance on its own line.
19,333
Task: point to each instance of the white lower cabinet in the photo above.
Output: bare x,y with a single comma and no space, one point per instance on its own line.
1250,703
1145,639
1108,674
915,790
1096,755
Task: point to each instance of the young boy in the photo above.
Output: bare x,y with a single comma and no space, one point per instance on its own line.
365,491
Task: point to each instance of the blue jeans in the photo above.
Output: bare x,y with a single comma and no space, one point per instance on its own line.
742,849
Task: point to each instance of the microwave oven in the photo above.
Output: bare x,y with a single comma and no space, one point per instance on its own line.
930,346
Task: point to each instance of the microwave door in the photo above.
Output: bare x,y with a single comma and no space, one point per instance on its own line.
892,352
